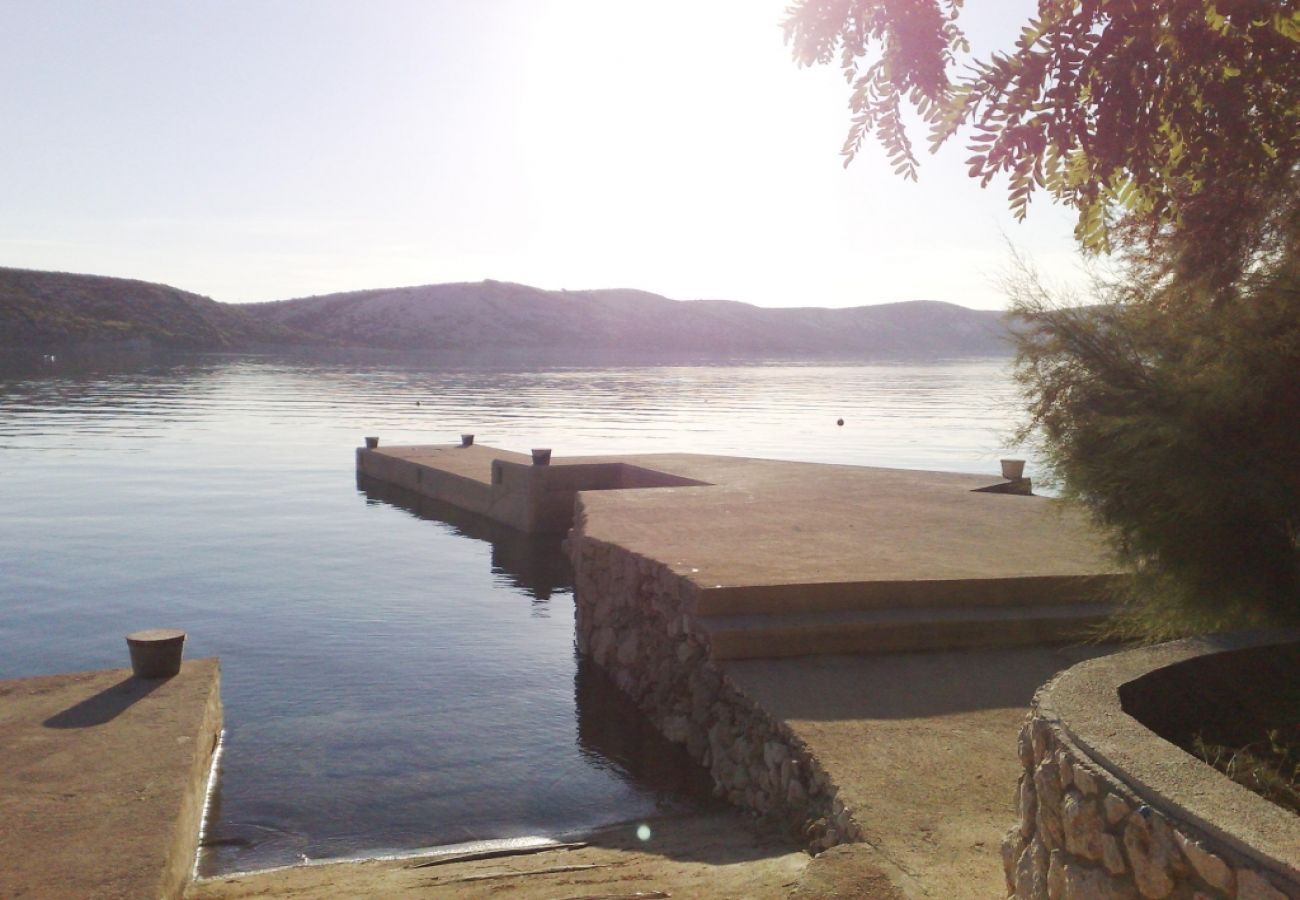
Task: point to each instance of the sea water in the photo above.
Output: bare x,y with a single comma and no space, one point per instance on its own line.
394,675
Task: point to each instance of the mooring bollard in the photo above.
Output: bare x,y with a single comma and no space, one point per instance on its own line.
542,456
156,652
466,440
372,443
1013,469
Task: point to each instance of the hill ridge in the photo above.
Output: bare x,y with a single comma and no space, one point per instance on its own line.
58,309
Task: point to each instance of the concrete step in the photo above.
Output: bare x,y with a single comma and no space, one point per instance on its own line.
1043,590
898,629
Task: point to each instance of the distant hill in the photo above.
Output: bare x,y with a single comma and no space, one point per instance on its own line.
48,310
51,310
494,314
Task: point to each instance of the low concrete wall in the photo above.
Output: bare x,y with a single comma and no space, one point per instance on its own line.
1109,809
635,619
427,481
540,499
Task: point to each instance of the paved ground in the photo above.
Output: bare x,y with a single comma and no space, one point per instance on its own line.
923,749
102,778
767,522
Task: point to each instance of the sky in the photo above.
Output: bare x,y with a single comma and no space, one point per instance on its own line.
263,150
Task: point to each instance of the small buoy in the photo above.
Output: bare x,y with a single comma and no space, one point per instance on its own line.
839,421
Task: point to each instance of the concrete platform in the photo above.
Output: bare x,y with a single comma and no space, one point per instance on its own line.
102,781
747,522
793,559
922,747
766,522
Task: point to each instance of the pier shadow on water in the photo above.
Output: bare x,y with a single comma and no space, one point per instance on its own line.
612,733
532,563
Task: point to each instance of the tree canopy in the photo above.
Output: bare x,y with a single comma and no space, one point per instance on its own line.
1171,407
1179,432
1171,126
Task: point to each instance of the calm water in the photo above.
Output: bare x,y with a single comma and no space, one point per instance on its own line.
395,674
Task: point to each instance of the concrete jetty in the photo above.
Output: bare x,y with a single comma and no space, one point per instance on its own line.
794,559
102,781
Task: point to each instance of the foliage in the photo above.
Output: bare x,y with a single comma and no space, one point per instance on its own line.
1167,124
1181,435
1270,767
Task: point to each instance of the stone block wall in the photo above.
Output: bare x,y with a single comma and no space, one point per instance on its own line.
1084,833
636,620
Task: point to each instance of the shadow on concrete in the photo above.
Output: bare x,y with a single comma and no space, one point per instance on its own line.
105,706
904,685
532,563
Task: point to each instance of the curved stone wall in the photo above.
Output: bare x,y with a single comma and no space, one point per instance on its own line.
1109,809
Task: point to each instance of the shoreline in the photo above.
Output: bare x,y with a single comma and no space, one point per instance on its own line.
724,854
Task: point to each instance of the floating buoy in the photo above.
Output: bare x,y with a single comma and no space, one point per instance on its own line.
839,421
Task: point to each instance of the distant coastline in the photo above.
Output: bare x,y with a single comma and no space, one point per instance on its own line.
42,312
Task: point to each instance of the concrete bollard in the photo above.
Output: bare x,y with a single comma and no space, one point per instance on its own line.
467,440
372,443
542,456
1013,469
156,653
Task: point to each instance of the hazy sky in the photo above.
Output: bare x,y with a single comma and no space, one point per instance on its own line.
270,149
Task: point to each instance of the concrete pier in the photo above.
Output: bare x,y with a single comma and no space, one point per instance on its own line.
792,559
102,781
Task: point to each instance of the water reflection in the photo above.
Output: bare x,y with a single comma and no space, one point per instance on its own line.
533,564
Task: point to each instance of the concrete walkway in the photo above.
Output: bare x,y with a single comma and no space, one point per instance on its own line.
102,781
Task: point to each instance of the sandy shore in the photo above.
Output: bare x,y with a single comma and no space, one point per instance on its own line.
715,855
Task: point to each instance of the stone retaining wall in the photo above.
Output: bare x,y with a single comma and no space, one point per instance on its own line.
635,619
1087,830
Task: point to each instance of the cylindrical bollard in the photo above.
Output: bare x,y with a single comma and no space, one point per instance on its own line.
372,443
1013,469
542,456
466,440
156,653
